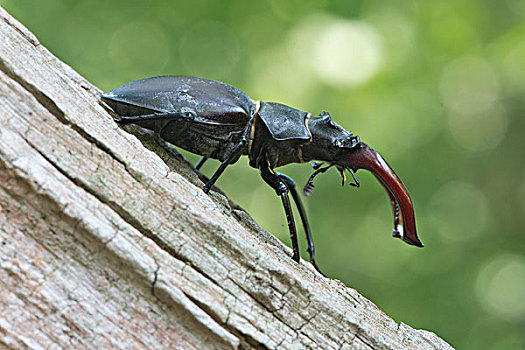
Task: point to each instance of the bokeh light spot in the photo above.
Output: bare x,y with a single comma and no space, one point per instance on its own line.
341,53
398,35
209,49
277,77
469,85
141,47
479,131
458,211
347,53
513,64
501,286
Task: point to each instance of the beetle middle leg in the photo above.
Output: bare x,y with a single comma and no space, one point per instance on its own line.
290,183
235,154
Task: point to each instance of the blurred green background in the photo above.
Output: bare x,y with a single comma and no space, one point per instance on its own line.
437,87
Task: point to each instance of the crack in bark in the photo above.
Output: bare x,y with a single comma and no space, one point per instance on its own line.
105,244
42,98
258,302
229,311
246,338
363,340
155,277
27,36
306,321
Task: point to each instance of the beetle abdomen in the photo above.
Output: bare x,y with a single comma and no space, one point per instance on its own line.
214,143
209,101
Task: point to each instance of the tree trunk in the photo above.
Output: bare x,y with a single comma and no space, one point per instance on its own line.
107,244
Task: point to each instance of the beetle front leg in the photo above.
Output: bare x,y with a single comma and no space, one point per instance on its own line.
290,183
275,182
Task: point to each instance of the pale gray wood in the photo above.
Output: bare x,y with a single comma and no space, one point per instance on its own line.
105,245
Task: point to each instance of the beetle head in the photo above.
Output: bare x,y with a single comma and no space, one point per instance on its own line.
328,138
363,157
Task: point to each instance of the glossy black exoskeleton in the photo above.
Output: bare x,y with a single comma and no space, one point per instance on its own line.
216,120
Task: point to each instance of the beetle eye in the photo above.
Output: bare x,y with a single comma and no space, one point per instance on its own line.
338,143
325,114
347,142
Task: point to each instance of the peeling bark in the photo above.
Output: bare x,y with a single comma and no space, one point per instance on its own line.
108,244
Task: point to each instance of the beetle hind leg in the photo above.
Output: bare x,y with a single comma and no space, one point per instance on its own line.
275,182
200,163
290,183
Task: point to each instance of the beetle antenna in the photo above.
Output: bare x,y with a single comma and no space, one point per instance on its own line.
309,187
356,181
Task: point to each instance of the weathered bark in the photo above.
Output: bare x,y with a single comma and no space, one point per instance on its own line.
105,245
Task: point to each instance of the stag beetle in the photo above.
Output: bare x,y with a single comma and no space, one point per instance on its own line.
218,121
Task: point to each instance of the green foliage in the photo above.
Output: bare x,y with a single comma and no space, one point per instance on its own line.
437,87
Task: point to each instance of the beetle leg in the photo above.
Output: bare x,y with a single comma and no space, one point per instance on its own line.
236,153
290,183
291,226
316,165
233,155
199,164
215,176
356,182
168,118
147,117
275,182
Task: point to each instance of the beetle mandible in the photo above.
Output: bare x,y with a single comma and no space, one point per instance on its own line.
216,120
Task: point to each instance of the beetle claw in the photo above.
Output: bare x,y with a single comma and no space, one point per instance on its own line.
356,181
